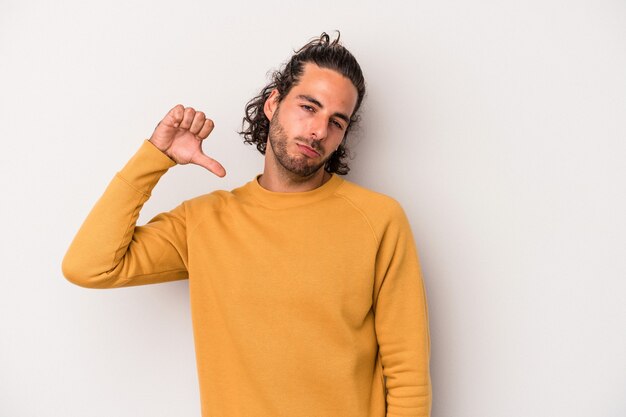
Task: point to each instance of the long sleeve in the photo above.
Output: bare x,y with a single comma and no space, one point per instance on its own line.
110,251
401,321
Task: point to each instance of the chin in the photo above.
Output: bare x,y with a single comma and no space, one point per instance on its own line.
304,170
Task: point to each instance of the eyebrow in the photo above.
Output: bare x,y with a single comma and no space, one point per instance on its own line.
318,104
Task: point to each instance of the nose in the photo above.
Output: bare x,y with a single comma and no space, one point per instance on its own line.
318,127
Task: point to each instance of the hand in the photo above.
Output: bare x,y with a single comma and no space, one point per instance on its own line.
180,134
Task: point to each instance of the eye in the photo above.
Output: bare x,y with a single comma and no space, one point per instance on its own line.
307,108
337,124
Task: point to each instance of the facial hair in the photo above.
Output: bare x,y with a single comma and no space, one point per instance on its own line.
299,165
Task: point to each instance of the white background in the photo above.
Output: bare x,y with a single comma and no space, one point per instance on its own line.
499,126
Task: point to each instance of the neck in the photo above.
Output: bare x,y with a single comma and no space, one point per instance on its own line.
286,183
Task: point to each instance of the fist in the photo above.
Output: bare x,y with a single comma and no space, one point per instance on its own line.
180,134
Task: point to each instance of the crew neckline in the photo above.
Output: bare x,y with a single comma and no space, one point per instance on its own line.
281,200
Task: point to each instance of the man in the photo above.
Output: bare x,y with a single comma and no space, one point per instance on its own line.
305,289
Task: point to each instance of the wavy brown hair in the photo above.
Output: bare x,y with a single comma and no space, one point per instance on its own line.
326,54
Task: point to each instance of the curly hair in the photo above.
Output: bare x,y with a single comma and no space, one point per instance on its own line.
325,54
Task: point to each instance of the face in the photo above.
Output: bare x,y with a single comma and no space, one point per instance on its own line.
308,125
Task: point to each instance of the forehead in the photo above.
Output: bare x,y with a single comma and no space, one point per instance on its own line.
329,87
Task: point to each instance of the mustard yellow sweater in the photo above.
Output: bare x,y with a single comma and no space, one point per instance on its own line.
301,302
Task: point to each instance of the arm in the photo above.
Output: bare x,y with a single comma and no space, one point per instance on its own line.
401,320
109,249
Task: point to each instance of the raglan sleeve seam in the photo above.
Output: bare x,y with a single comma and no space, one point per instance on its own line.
363,215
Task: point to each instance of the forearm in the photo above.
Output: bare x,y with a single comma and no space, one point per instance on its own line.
406,350
99,255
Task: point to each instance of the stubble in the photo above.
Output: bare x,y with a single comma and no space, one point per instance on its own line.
298,165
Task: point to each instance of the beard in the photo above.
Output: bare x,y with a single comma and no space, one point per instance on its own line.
299,165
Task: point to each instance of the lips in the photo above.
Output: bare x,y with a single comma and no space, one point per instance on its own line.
308,151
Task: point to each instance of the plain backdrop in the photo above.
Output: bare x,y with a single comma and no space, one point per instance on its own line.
498,125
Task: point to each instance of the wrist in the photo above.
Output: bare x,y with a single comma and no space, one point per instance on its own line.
162,150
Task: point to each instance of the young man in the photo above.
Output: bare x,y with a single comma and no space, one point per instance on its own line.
306,292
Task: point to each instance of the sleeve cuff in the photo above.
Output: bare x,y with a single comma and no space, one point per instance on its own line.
146,167
156,152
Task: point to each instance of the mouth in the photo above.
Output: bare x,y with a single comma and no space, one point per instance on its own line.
308,151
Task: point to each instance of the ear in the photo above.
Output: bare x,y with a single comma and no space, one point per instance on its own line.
270,105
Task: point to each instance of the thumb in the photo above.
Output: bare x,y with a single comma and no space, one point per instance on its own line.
209,163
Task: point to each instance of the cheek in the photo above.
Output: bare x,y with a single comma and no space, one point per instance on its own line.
292,124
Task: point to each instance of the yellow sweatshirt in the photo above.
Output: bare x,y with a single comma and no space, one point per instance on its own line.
301,302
